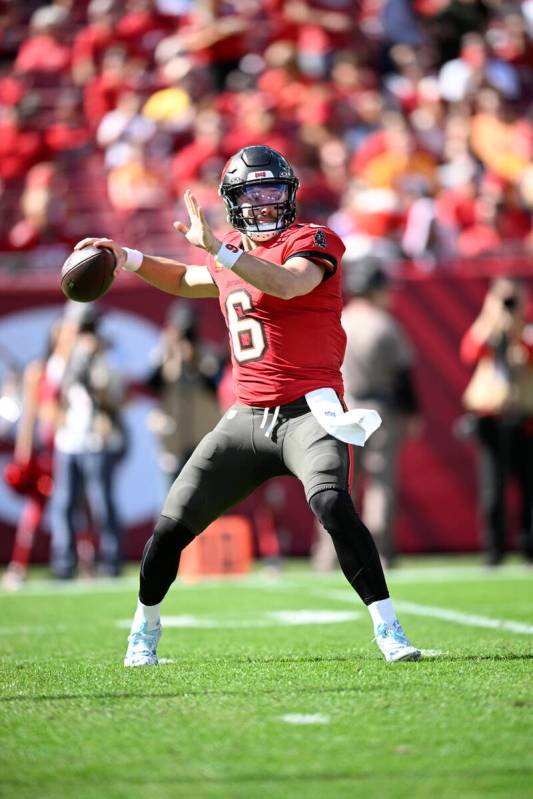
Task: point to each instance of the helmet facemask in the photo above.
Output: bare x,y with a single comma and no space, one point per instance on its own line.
261,209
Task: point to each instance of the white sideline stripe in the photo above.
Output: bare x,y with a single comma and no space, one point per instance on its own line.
126,585
453,574
437,574
467,619
446,614
295,582
305,718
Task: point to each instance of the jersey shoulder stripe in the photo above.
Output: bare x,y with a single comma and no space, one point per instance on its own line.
328,261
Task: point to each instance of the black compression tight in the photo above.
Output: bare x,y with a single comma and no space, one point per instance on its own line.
161,558
356,551
355,547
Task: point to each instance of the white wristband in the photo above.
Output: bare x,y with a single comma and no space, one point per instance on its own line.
134,259
228,255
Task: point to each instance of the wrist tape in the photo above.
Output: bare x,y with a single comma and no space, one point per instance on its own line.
134,259
228,255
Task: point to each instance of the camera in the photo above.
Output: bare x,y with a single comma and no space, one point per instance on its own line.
510,302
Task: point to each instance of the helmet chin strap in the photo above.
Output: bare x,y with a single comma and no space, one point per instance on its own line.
263,235
255,236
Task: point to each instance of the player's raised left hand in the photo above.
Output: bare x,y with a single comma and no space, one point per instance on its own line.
199,232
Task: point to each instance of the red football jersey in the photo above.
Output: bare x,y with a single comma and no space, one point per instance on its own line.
281,349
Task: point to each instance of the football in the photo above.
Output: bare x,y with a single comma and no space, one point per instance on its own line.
88,273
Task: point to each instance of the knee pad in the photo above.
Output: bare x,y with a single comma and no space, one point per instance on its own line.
334,509
165,546
170,532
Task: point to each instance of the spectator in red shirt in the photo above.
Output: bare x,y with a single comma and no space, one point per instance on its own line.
217,36
68,134
141,27
12,89
43,208
20,145
44,51
190,161
281,82
378,141
91,42
483,236
102,92
253,121
321,31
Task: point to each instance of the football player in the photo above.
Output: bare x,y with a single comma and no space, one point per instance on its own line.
279,288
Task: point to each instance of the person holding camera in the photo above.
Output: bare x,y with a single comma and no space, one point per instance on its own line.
183,378
499,344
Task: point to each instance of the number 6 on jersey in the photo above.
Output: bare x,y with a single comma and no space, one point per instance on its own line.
247,333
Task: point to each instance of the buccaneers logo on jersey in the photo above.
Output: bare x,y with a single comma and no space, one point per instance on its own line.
320,239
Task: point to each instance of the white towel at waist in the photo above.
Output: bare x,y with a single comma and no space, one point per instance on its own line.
353,427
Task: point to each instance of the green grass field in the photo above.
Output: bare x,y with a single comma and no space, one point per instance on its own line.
270,689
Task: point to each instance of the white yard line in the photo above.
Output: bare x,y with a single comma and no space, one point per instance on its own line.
446,614
273,618
33,629
305,718
433,653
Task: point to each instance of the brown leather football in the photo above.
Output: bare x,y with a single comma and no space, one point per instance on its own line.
87,274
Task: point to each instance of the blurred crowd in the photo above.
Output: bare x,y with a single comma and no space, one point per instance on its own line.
407,121
71,437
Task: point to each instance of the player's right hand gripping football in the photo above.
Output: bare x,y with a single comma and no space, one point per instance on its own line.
118,252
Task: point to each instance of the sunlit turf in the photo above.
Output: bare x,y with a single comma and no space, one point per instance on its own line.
212,722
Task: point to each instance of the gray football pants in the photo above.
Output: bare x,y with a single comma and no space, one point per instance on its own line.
237,456
248,446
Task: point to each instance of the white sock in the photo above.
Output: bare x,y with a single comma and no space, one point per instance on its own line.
381,612
148,613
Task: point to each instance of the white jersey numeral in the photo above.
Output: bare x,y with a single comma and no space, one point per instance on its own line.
247,333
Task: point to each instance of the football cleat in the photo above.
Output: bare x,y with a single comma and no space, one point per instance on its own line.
393,642
142,646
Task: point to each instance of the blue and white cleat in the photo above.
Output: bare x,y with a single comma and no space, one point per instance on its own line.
142,646
393,642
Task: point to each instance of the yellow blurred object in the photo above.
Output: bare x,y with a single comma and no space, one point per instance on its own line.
167,105
389,169
500,146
